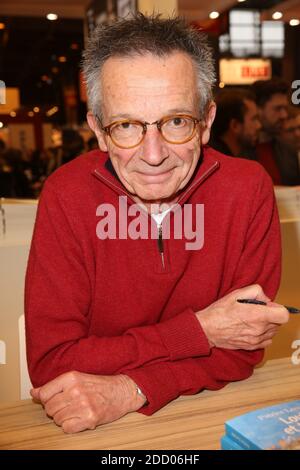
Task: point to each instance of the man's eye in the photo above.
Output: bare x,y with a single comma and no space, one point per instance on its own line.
177,122
125,125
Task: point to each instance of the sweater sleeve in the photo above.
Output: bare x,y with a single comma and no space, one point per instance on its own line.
164,382
58,296
259,263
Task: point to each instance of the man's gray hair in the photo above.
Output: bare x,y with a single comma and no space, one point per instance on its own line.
142,34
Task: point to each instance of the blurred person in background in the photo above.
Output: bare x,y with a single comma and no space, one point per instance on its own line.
272,152
237,125
40,162
291,130
2,147
7,180
16,174
92,143
72,145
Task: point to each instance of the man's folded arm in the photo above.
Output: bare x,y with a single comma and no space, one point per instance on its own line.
164,382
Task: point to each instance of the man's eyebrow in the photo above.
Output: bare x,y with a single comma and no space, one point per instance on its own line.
179,111
169,112
120,116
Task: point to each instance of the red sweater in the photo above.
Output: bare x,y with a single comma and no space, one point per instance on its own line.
109,306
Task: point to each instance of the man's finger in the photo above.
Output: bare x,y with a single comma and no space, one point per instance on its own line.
276,313
56,404
35,393
271,313
73,425
66,413
53,387
254,291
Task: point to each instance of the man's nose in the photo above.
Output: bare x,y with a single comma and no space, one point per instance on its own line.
283,114
153,149
258,125
297,132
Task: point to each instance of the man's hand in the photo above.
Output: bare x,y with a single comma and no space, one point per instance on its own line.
78,401
232,325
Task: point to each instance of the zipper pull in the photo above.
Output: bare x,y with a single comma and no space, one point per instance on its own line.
160,243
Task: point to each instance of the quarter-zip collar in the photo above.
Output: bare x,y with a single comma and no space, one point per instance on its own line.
208,164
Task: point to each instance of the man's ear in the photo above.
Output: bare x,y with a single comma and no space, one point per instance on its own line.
94,126
210,117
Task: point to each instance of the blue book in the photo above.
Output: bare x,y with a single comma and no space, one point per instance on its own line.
271,428
229,444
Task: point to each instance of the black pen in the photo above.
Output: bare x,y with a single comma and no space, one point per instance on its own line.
260,302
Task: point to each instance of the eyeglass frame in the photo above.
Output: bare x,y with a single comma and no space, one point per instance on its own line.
159,123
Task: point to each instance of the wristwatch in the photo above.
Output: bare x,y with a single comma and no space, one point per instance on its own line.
141,394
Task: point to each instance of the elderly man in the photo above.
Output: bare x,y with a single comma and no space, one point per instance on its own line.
118,323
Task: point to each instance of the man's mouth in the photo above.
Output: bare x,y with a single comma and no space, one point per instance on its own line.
156,177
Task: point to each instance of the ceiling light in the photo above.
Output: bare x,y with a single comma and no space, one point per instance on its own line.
241,1
62,59
52,16
30,113
1,125
214,14
36,109
52,111
294,22
13,113
221,85
2,25
277,15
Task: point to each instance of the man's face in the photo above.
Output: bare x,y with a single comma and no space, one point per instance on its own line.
148,88
291,132
297,131
274,113
251,125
